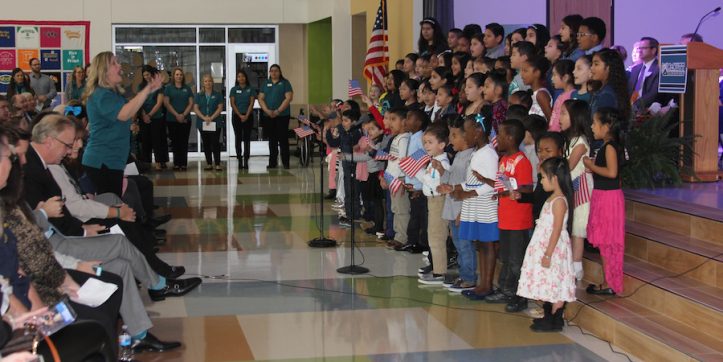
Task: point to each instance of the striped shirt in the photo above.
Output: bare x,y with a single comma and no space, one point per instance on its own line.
483,208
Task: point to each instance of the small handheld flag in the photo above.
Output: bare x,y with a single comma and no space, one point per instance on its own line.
383,156
304,131
354,88
414,163
393,183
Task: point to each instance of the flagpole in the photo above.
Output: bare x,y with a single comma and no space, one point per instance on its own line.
385,34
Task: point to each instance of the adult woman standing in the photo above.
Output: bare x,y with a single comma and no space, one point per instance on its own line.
178,99
275,99
431,39
152,123
242,98
76,85
109,118
19,83
208,107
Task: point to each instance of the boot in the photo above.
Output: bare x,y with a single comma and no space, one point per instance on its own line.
549,322
559,317
547,307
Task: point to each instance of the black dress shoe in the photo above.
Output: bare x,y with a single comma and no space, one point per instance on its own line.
403,247
153,344
416,249
159,220
174,288
594,289
331,195
175,272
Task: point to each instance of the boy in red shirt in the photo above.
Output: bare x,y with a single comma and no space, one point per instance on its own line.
515,218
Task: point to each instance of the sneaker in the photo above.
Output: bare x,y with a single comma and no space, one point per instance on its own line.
393,244
461,286
425,270
449,280
403,247
344,222
415,249
431,279
516,304
498,297
452,263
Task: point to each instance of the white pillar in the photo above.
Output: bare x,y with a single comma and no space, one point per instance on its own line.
341,47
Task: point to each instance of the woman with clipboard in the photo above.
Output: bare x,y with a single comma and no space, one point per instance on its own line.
208,107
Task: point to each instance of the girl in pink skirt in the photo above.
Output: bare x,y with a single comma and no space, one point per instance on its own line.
606,225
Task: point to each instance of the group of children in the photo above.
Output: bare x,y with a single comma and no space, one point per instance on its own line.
522,177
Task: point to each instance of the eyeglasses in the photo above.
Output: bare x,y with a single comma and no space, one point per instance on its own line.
67,145
580,35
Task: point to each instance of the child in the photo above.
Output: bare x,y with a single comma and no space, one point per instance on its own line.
395,118
523,98
533,74
374,93
428,98
549,145
408,93
445,102
582,75
606,226
575,123
422,67
535,126
345,136
417,239
516,111
474,90
563,79
522,51
515,218
456,175
372,193
435,140
495,93
478,218
503,64
547,273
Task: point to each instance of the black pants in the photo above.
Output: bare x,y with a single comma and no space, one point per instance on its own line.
513,244
417,227
154,141
107,313
212,146
81,341
105,179
373,197
242,132
144,196
351,199
277,130
179,133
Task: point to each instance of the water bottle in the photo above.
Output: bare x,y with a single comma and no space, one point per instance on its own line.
125,350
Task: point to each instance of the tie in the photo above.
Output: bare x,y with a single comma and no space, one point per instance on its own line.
641,80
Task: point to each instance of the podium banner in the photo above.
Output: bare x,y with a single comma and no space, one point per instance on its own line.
673,68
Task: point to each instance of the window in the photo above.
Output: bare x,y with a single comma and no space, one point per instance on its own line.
212,35
251,35
155,35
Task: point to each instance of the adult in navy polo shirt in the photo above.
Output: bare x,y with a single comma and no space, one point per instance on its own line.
242,98
109,117
179,103
208,107
275,99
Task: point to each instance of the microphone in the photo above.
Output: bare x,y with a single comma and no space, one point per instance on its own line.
716,10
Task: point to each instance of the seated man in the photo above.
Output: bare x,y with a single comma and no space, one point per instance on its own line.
48,149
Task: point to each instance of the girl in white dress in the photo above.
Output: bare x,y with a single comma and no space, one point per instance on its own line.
547,272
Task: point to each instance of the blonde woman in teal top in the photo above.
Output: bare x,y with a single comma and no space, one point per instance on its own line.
275,98
109,119
208,107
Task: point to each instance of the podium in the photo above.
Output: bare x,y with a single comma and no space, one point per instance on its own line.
699,112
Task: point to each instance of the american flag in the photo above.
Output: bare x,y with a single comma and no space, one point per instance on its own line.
493,138
375,64
304,131
414,163
393,183
354,88
499,182
582,189
383,156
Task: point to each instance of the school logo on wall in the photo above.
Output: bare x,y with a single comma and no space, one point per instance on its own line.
7,59
73,37
7,37
4,81
50,59
50,37
27,37
72,58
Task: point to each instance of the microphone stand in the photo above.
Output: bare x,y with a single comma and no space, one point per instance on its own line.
703,18
352,268
321,241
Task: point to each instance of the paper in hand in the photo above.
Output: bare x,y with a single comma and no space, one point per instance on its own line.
95,292
209,126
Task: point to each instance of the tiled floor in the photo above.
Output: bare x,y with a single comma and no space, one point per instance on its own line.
268,296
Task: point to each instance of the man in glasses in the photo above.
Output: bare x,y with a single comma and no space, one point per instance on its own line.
643,80
591,35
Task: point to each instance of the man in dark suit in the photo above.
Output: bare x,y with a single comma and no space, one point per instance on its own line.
644,77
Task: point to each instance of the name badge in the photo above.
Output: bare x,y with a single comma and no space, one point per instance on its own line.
269,84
